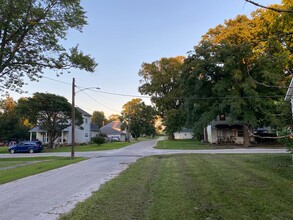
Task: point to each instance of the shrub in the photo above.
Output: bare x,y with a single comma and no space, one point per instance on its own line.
98,140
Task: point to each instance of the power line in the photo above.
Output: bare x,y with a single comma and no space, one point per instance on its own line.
109,93
127,95
190,98
56,80
100,103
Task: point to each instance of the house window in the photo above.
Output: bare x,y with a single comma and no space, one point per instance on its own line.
240,133
222,117
86,135
85,120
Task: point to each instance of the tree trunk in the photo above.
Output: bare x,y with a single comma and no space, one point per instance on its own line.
246,138
51,141
171,137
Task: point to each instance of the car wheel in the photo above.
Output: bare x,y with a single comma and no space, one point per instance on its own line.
31,151
12,151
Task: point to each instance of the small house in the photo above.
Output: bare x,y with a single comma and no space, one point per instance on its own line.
113,131
223,131
184,133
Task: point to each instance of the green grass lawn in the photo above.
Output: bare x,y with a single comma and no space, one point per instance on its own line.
91,147
196,187
30,166
182,145
3,150
197,145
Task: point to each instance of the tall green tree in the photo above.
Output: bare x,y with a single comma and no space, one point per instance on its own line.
50,111
240,69
98,118
139,118
11,123
161,81
30,35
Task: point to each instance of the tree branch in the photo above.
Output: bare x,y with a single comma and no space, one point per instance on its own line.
270,137
269,8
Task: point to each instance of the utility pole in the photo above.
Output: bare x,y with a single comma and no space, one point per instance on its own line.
73,119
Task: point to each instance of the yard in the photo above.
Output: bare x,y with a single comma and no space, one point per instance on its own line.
182,145
197,145
196,187
16,168
90,147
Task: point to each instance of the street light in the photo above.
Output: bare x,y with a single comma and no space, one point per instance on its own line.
73,115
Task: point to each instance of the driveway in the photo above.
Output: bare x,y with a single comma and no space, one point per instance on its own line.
47,195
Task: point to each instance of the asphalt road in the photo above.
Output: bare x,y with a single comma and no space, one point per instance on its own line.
47,195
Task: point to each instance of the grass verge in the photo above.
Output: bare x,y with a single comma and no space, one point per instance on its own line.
16,168
81,148
196,187
182,145
90,147
3,150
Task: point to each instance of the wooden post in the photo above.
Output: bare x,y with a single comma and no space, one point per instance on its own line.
73,119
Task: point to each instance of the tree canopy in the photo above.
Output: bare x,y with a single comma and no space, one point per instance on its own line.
12,126
98,118
30,34
139,118
241,69
160,80
50,111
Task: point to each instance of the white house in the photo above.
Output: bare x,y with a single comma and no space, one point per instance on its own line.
82,135
185,133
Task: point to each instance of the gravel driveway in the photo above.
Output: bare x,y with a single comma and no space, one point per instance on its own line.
47,195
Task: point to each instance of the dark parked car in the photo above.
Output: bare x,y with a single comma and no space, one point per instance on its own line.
26,146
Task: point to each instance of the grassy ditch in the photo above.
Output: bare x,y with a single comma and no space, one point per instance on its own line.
196,187
16,168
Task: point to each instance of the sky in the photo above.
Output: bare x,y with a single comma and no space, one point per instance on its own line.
123,34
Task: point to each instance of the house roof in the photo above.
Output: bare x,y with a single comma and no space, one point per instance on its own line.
185,130
83,112
289,91
113,128
38,128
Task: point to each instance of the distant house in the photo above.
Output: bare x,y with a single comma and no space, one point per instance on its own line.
113,131
220,131
184,133
82,133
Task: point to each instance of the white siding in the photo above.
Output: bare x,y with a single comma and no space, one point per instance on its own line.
183,135
83,135
209,134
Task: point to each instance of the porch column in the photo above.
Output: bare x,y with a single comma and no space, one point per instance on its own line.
46,136
62,137
31,136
